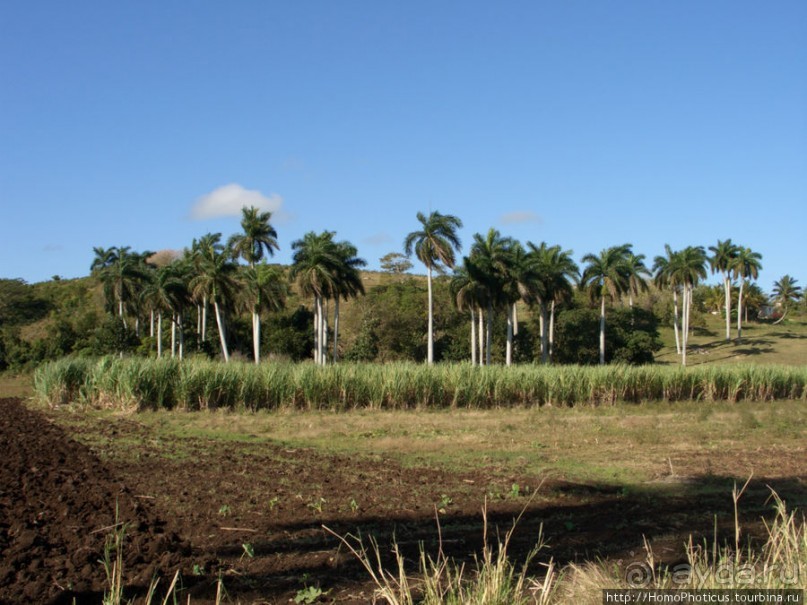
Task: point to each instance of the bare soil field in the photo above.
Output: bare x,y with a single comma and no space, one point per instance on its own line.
252,514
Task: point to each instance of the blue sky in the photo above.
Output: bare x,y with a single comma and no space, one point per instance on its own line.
584,124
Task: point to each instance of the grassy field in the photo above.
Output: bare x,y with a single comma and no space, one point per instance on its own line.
762,343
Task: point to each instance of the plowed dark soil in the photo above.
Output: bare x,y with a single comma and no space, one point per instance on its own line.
57,507
253,515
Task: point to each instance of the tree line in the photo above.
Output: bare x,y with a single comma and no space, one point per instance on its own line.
144,291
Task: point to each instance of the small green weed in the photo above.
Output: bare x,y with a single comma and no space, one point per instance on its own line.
444,503
307,595
316,505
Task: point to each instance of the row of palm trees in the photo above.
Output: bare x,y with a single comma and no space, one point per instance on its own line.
208,274
499,272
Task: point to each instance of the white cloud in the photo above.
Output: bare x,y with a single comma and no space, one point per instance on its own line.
514,218
230,199
378,239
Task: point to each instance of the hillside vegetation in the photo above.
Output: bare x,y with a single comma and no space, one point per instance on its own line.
49,320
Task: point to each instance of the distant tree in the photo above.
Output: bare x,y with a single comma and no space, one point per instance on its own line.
469,294
19,303
785,293
265,288
258,237
637,271
664,276
165,293
688,268
204,250
289,333
121,271
348,283
723,255
315,268
754,299
434,245
556,272
215,281
606,276
395,263
493,264
632,335
745,265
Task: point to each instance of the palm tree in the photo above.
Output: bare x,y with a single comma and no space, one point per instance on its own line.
721,261
492,264
466,294
606,276
753,300
121,271
348,283
164,293
687,269
434,245
265,288
637,270
315,267
258,236
664,277
785,291
745,265
556,271
203,250
216,282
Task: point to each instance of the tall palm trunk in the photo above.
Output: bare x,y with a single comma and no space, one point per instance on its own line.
740,311
489,334
173,334
222,335
544,335
336,330
198,326
685,324
181,335
320,336
675,321
256,336
159,334
473,337
121,313
204,318
323,354
481,336
727,294
515,319
551,330
602,331
151,324
509,350
430,345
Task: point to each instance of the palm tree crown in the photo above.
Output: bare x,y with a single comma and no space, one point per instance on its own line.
785,292
435,243
258,236
608,274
